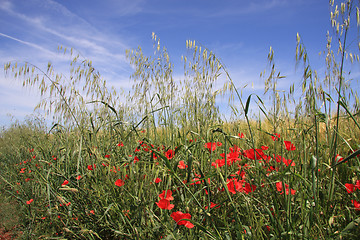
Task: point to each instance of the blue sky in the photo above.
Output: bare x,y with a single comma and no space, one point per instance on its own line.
239,32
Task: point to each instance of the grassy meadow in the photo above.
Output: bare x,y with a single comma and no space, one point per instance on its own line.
160,162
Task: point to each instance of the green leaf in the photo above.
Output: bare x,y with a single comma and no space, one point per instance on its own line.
247,105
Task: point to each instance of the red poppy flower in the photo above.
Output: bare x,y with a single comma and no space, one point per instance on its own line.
107,156
287,162
153,154
157,180
357,184
30,201
338,158
289,146
350,187
91,167
196,181
279,187
241,173
255,154
276,137
166,195
212,205
249,188
231,157
78,177
119,182
218,163
66,182
356,204
120,144
264,147
212,146
241,135
234,185
165,204
182,165
177,216
169,154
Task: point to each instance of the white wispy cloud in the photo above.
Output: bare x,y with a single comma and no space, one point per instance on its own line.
41,27
39,47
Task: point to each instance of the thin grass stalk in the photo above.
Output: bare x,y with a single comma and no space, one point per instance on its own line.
332,183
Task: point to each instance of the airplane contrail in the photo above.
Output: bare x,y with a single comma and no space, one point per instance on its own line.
27,43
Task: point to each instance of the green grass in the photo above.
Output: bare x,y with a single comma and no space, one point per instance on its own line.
100,171
99,209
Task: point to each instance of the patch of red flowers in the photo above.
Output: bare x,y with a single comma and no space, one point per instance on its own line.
231,157
234,185
255,154
165,198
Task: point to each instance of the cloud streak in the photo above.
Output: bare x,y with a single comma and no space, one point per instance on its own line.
29,44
